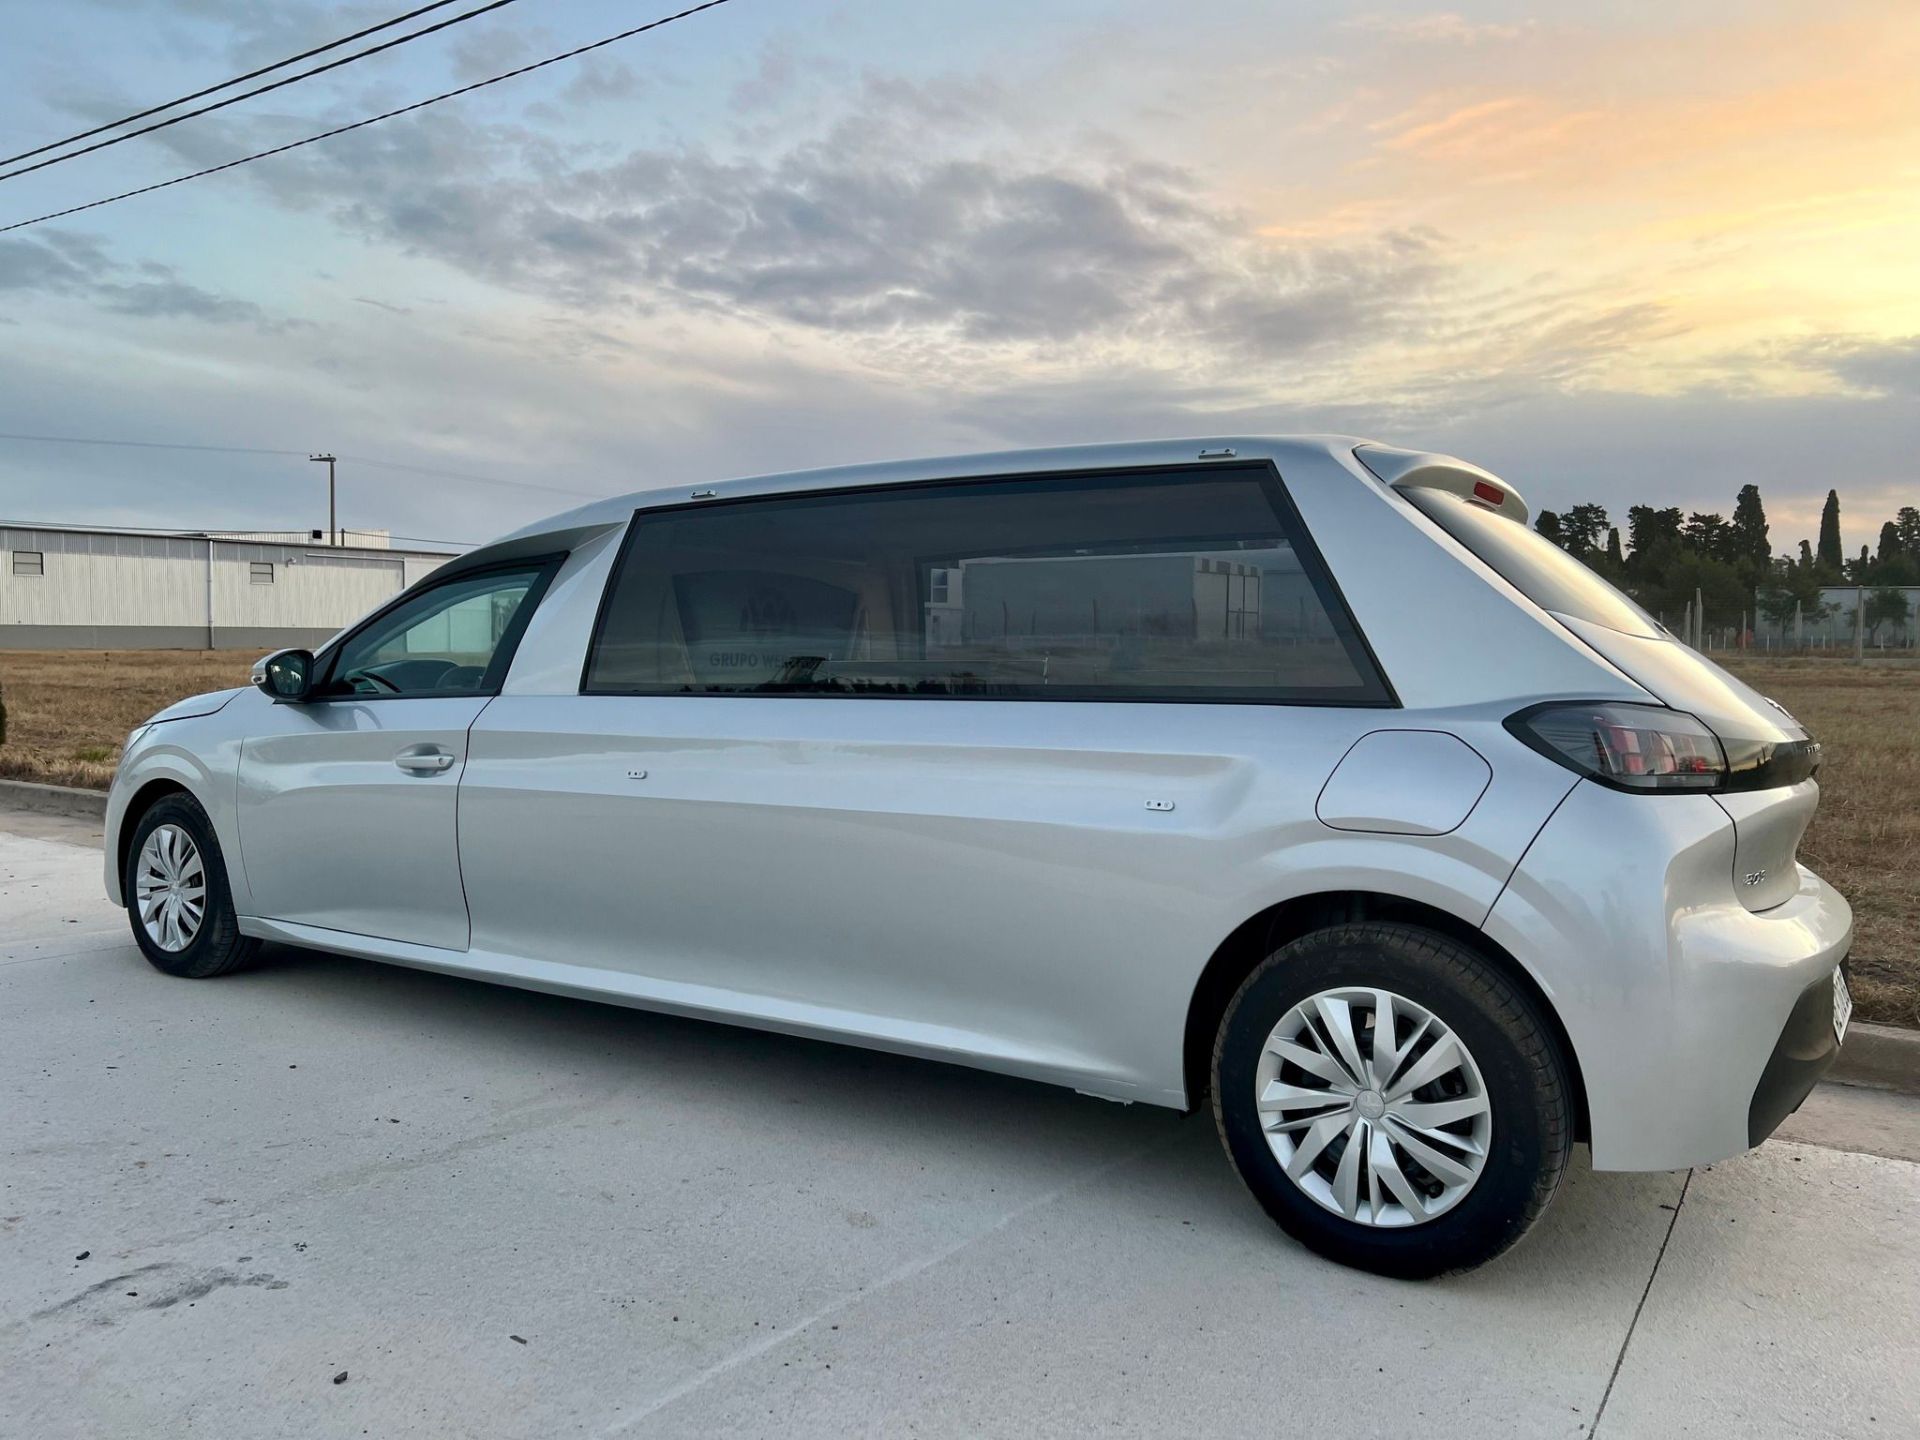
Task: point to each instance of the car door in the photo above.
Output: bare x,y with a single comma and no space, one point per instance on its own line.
347,800
952,764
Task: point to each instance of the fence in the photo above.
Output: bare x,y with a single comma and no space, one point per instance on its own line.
1844,620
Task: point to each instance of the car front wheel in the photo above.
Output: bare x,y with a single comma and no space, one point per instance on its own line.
177,896
1392,1099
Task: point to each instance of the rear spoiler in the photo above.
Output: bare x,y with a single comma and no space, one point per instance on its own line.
1418,470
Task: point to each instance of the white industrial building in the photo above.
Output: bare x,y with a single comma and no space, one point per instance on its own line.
73,587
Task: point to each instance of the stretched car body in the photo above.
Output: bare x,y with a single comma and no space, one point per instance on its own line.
1064,889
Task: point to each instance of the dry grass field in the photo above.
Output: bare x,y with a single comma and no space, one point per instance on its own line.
1865,838
67,713
69,710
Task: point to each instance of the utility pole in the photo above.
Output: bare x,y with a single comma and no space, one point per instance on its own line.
333,524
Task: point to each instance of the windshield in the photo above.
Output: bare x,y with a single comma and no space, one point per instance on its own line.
1534,565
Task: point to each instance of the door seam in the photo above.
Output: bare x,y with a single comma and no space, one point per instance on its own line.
1507,883
459,789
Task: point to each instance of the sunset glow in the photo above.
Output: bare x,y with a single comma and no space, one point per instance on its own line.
1617,253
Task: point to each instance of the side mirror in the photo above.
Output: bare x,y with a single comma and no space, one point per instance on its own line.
286,675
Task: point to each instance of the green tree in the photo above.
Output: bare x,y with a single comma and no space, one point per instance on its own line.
1723,590
1650,530
1886,607
1900,569
1708,535
1548,524
1806,555
1777,602
1584,528
1653,540
1616,562
1907,524
1828,552
1889,542
1893,563
1795,592
1751,548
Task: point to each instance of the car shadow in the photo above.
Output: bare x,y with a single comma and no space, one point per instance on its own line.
1158,1165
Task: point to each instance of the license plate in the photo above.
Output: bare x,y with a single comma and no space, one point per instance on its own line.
1842,1006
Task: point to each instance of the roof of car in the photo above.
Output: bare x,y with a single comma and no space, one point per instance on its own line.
1046,460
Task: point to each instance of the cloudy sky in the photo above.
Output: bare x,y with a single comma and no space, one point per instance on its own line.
1639,251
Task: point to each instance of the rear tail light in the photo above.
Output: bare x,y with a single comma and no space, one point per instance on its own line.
1770,764
1629,747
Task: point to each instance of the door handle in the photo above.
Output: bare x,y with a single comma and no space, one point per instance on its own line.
424,762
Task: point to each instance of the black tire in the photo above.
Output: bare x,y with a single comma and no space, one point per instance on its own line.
1519,1061
218,948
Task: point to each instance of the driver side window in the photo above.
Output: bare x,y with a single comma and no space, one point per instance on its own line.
446,641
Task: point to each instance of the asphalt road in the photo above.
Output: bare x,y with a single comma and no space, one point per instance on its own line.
502,1214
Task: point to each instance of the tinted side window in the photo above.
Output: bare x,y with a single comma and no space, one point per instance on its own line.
1533,564
1170,586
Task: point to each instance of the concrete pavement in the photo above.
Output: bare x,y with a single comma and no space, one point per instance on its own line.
507,1214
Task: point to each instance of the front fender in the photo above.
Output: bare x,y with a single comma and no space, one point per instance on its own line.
200,756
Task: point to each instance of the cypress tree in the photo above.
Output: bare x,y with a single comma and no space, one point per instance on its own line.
1751,548
1828,552
1614,557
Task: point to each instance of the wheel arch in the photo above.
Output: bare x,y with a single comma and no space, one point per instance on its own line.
1263,933
143,800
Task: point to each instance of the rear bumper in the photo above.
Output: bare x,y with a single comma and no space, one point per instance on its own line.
1806,1050
1677,999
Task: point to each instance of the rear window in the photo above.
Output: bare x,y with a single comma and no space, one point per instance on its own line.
1166,586
1534,565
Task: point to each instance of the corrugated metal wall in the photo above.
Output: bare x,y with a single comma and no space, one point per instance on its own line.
307,590
151,589
103,580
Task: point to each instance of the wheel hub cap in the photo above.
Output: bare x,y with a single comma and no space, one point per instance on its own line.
1373,1107
170,888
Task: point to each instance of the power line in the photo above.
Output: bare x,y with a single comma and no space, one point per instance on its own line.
428,540
302,454
370,120
284,81
475,479
227,84
148,444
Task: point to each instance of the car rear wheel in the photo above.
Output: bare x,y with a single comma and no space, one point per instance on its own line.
177,896
1392,1099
